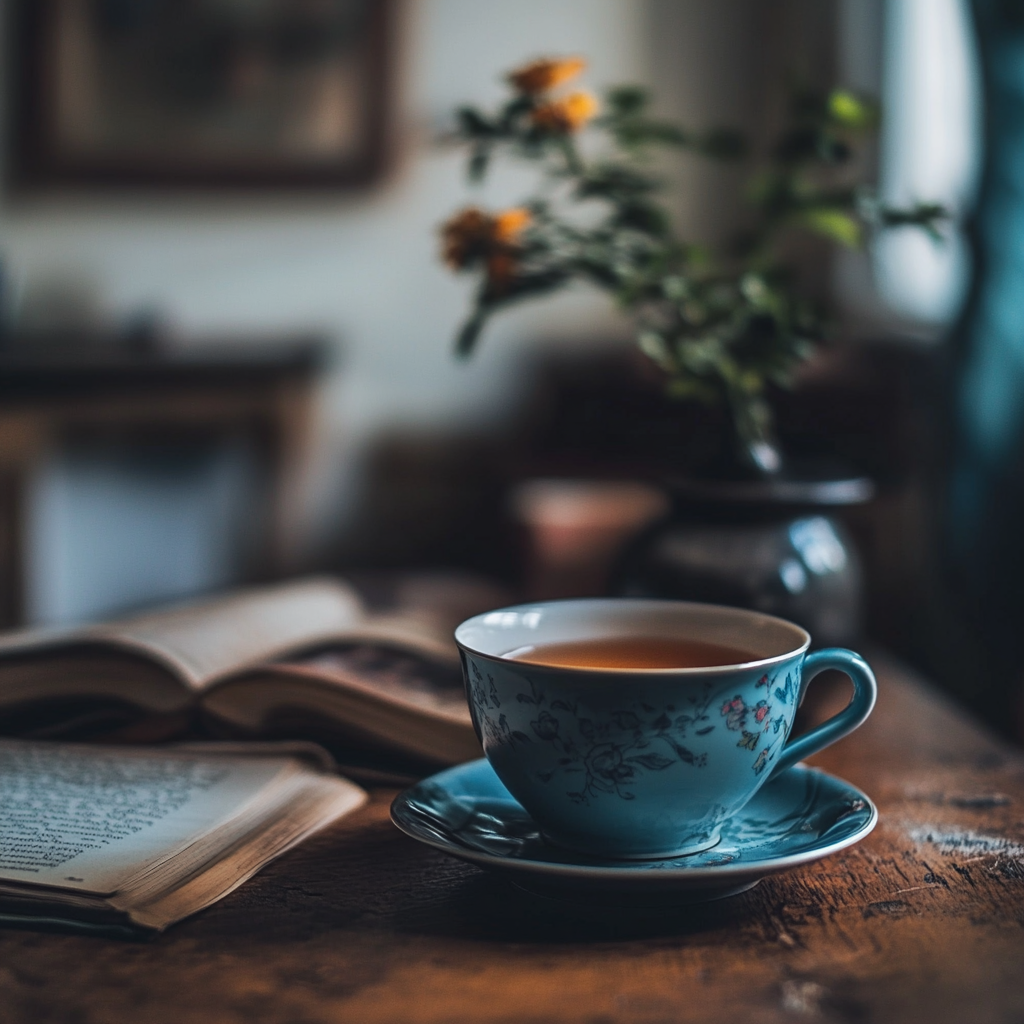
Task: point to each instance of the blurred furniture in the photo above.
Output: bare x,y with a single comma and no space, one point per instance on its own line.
57,392
575,528
433,499
918,924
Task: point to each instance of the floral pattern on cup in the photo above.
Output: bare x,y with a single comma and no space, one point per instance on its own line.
608,756
754,721
496,730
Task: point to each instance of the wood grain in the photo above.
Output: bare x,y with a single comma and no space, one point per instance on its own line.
923,921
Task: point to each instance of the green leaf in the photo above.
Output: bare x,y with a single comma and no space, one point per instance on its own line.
601,274
926,216
653,346
615,181
515,109
834,224
754,289
642,216
675,288
530,285
467,337
634,133
850,110
626,100
473,124
705,355
479,160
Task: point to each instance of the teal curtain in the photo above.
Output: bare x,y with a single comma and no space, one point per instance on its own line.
984,530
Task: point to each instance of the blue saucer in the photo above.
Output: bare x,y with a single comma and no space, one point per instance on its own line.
799,817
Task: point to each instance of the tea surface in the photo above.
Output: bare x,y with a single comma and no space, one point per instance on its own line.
638,652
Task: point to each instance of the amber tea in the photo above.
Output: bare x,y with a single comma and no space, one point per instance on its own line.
633,652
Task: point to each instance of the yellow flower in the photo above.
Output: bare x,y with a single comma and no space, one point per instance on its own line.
542,75
565,115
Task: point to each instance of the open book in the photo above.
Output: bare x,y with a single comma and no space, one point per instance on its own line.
123,838
301,660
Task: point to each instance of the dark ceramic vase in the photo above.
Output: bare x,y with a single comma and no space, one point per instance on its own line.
767,543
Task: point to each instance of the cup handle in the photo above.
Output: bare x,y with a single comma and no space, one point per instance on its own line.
865,690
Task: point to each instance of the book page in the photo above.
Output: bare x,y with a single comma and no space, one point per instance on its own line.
89,818
197,642
207,639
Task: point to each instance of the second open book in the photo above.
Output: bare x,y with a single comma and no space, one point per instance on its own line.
296,660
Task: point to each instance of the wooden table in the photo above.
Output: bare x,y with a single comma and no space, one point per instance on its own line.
922,922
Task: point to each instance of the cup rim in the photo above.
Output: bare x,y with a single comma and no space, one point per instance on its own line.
573,671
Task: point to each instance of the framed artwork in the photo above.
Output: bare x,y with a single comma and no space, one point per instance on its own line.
202,93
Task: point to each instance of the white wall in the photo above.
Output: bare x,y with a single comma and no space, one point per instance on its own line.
360,267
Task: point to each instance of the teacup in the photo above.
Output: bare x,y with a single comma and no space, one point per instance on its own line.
644,762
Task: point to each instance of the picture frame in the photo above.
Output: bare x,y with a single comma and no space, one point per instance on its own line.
198,94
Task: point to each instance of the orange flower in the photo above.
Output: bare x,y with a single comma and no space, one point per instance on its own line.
465,236
473,235
566,115
510,224
541,75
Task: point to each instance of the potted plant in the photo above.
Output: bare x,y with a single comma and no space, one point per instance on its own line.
726,327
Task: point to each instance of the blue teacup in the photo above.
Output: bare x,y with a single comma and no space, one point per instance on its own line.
644,763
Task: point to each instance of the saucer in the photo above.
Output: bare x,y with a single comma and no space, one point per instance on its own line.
801,816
